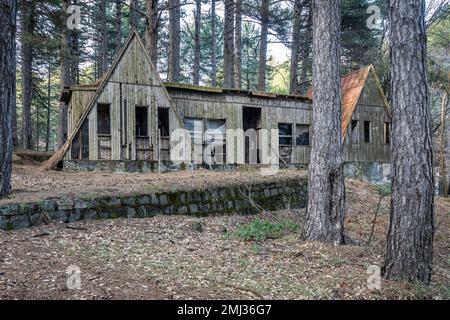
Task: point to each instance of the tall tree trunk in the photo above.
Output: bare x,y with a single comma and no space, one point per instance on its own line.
238,45
228,45
49,106
14,127
103,38
65,73
7,89
213,44
326,192
409,254
174,40
133,14
196,69
443,145
74,54
306,52
295,47
37,128
118,23
27,26
151,30
262,65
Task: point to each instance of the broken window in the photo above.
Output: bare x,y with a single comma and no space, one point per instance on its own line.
163,121
367,132
215,140
302,135
285,133
141,121
195,128
354,131
103,119
387,132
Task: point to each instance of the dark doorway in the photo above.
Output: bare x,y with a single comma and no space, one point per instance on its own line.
163,128
251,118
141,121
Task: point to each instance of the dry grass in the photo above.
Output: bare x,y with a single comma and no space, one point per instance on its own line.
32,183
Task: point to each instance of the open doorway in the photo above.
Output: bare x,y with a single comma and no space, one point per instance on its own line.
163,128
251,118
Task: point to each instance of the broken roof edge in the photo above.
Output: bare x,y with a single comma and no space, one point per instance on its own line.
219,90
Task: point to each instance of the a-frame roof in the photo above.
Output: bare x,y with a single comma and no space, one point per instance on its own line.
352,86
58,156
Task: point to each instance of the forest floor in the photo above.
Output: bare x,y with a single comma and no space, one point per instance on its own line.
182,257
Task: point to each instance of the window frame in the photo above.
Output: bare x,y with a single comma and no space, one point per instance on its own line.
108,105
370,132
146,121
297,125
285,136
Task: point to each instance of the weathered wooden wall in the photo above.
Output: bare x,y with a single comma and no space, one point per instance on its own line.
371,108
132,83
229,107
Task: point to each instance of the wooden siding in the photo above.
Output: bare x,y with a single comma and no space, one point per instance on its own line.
77,105
229,107
376,150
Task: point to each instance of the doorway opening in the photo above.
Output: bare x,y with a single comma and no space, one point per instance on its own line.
251,118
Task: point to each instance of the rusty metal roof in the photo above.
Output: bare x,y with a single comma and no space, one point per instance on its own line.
352,85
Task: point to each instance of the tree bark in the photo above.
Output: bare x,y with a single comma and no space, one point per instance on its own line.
133,14
27,26
8,14
174,41
228,45
213,44
65,73
262,65
409,254
238,45
443,146
326,192
74,54
306,51
151,31
49,106
295,47
118,23
197,23
103,38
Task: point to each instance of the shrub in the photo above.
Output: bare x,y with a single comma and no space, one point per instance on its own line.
262,229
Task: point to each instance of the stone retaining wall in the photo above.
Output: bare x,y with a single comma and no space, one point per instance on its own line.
223,200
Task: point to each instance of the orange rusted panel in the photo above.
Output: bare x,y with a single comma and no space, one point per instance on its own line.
352,85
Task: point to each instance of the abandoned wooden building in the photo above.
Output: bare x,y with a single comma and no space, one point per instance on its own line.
124,120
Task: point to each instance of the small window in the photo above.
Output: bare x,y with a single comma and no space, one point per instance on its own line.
215,137
354,132
302,135
285,133
367,132
387,132
103,119
141,121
